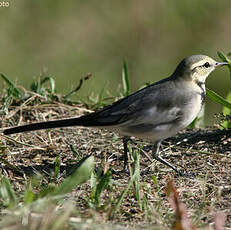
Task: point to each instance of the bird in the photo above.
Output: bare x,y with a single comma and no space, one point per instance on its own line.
153,113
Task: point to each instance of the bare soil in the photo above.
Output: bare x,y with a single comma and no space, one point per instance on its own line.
204,153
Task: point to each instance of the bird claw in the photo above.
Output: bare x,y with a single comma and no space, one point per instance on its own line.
186,174
119,172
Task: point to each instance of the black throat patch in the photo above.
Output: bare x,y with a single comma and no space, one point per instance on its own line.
202,93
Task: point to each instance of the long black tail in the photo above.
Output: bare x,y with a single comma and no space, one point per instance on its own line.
79,121
101,118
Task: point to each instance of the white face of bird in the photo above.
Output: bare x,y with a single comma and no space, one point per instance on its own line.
201,69
196,68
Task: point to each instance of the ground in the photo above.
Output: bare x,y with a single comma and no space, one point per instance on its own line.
205,154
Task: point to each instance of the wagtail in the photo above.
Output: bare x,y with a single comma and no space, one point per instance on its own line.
153,113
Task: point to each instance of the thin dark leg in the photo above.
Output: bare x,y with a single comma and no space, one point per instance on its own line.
125,143
125,157
157,156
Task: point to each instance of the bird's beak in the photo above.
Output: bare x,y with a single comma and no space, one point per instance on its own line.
219,64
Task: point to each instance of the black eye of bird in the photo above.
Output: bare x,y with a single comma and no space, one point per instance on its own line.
206,65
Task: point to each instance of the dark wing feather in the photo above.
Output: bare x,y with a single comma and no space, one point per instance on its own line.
129,107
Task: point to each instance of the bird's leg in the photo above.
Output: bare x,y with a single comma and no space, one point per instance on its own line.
125,144
156,155
125,157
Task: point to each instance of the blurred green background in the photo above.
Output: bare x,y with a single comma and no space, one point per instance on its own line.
71,38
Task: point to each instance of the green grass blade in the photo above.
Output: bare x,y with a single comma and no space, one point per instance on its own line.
101,96
93,183
57,166
7,194
51,83
81,175
224,58
29,196
125,79
133,181
124,193
156,184
102,185
14,89
136,156
46,191
217,98
75,152
8,81
227,112
157,191
35,86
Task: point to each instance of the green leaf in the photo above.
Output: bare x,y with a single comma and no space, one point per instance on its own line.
156,184
224,58
7,193
101,96
51,83
46,191
15,91
102,185
57,166
29,196
75,152
35,86
217,98
125,79
136,156
93,183
227,112
81,175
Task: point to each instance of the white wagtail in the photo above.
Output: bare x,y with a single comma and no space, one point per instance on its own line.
153,113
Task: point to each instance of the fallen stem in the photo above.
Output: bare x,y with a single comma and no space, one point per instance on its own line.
20,143
79,86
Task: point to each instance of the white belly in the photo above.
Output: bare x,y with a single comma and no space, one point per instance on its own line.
166,128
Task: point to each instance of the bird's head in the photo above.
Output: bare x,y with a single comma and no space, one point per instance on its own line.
196,68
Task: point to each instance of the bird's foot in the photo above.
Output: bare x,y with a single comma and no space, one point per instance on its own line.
183,173
119,172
